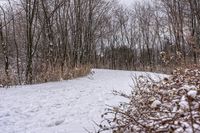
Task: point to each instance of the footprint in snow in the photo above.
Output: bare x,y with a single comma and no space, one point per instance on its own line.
56,123
5,115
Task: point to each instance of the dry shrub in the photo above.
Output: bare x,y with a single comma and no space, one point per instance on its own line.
57,74
41,75
6,81
170,105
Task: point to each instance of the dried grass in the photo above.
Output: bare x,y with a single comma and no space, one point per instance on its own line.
57,74
41,75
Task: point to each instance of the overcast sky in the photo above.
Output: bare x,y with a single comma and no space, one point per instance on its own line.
3,2
130,2
127,2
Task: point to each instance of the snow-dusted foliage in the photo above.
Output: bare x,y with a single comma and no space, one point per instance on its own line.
170,105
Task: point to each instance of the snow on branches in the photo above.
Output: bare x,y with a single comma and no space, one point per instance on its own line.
170,105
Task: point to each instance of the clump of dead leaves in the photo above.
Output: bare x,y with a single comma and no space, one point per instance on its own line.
170,105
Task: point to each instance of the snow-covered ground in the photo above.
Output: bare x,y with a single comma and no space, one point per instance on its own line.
62,107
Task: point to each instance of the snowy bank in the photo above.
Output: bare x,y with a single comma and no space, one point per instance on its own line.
62,107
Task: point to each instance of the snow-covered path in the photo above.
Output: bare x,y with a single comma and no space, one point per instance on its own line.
61,107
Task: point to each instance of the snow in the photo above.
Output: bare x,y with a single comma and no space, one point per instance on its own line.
192,93
62,107
155,104
183,103
188,87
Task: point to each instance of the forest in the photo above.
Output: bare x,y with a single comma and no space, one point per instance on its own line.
48,40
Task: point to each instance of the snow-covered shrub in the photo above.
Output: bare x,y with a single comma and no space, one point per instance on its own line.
170,105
